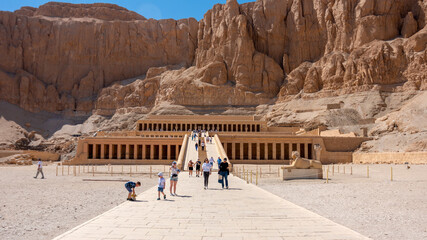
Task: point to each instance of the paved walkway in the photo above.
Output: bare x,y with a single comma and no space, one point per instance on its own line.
242,212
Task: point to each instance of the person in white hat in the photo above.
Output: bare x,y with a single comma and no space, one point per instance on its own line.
161,186
174,170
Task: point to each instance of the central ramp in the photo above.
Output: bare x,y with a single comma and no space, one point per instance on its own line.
242,212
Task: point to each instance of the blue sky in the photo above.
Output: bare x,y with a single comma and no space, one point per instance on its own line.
157,9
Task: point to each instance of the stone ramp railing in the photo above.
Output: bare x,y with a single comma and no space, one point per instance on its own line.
221,151
183,153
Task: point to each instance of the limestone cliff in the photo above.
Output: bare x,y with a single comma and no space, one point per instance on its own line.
65,57
59,56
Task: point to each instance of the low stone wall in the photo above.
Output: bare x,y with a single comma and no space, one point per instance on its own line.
391,157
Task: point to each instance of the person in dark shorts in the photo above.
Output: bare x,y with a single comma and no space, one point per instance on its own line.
130,186
224,172
190,168
198,164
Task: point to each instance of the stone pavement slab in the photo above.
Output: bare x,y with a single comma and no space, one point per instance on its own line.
242,212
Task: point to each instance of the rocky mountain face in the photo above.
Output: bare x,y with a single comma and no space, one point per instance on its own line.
65,57
285,58
59,56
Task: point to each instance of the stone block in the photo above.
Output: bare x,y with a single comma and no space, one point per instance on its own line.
289,174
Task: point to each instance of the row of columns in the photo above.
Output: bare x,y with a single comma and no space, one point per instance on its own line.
307,150
201,126
132,151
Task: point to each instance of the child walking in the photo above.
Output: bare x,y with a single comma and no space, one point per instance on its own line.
161,187
130,186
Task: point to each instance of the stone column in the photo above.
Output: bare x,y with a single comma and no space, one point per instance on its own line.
233,150
290,150
266,151
135,151
225,148
102,151
282,151
119,151
298,148
111,151
250,151
274,151
258,154
169,152
127,151
143,151
94,151
151,152
176,152
160,151
241,151
306,151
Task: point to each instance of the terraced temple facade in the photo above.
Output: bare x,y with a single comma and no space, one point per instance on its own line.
242,139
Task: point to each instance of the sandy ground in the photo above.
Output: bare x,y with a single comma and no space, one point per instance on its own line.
375,206
42,209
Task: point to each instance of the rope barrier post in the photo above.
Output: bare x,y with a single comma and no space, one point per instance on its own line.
111,170
247,176
130,170
333,169
74,170
251,176
57,170
151,170
327,175
93,171
351,170
278,171
260,172
62,167
68,173
256,177
391,174
122,169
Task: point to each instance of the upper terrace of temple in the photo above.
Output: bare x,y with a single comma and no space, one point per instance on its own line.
209,123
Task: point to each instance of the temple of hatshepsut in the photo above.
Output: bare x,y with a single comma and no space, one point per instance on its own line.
241,139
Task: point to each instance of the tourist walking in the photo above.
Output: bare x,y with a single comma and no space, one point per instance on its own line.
174,178
39,168
203,146
190,168
198,164
161,186
206,172
211,161
223,170
197,146
218,161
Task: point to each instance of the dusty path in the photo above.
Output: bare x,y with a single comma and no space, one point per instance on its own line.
242,212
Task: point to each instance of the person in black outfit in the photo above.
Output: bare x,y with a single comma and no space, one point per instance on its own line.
223,170
198,164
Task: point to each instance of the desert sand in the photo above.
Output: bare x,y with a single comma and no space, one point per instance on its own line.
375,207
42,209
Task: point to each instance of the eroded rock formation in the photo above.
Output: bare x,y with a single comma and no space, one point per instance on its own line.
65,57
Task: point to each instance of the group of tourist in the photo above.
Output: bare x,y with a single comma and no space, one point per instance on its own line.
174,172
